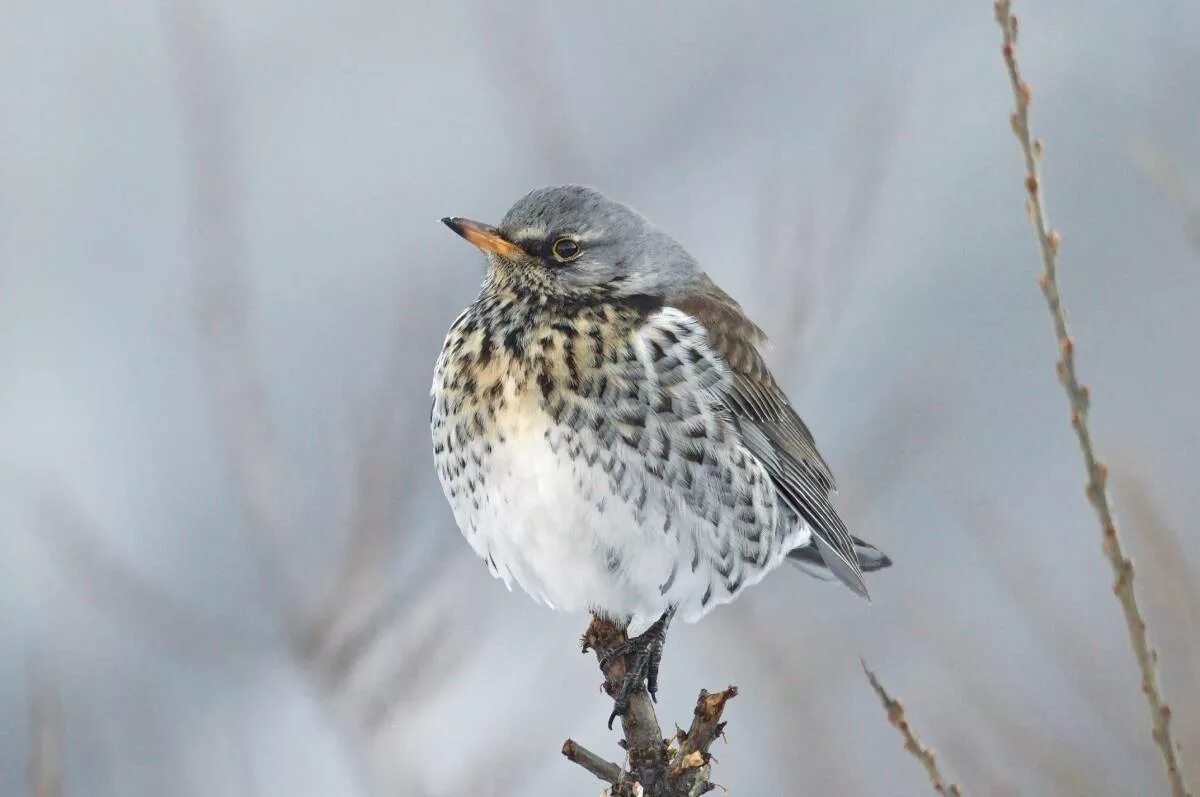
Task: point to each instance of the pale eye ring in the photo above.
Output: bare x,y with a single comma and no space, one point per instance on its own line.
565,248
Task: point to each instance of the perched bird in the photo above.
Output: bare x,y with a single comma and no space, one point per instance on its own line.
607,432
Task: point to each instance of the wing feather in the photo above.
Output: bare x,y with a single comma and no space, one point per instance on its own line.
771,429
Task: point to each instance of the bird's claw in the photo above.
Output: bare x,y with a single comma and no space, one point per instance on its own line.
643,654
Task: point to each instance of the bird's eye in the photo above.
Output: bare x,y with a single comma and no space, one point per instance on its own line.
565,249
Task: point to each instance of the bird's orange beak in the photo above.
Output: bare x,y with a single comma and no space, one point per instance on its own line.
485,236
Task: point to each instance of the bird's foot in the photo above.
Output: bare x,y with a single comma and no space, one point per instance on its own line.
643,654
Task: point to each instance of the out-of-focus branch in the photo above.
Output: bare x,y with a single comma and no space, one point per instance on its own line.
378,474
78,546
829,230
1079,400
45,749
222,312
963,672
1175,576
345,629
679,767
1159,169
895,715
526,77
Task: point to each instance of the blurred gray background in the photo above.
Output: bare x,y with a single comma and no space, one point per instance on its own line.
226,566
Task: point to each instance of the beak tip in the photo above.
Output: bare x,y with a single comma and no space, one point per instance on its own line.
483,236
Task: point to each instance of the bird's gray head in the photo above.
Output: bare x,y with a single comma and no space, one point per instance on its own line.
572,241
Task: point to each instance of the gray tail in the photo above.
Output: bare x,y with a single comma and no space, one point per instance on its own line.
809,559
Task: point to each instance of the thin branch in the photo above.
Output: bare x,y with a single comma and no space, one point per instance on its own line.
1078,399
895,715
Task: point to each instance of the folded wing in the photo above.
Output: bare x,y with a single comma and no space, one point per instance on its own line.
771,429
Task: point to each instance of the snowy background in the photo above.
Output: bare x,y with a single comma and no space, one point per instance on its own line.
226,567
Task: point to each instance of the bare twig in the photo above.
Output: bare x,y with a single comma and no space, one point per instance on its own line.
895,714
1078,399
680,768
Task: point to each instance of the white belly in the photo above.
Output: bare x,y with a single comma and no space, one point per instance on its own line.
553,525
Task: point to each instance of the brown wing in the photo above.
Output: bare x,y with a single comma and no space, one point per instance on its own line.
772,430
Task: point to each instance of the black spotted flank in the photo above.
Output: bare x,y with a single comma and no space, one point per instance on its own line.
546,384
485,349
513,342
566,330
